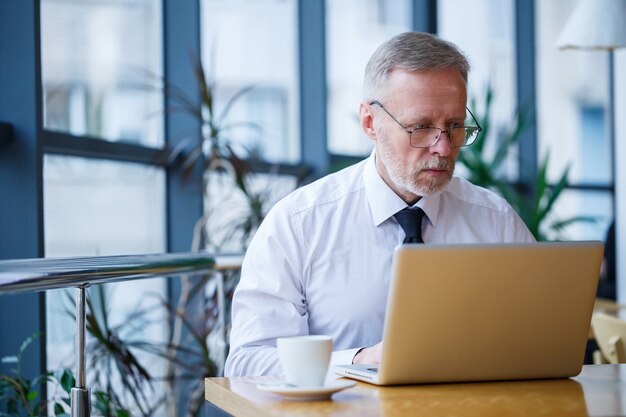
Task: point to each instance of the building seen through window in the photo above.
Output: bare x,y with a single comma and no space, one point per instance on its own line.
354,29
99,61
252,44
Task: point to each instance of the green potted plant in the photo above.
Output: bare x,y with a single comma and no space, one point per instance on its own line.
487,170
235,205
20,396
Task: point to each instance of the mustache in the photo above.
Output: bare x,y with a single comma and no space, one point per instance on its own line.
435,163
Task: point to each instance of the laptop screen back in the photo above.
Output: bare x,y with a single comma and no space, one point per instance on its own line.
489,312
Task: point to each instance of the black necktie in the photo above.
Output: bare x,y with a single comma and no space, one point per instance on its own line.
411,221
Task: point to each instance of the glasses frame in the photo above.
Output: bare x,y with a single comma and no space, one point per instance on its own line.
441,131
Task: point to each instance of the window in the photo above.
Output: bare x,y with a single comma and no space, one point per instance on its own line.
485,31
572,99
593,139
99,208
253,43
354,29
100,65
591,203
231,213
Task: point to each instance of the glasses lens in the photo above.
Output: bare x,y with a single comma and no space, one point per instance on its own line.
463,136
458,136
424,137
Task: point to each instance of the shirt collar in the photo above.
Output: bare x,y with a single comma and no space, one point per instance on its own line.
430,205
384,202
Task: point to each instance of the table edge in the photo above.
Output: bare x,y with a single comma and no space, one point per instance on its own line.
230,402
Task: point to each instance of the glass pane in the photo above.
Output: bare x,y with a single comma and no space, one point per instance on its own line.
572,99
354,29
230,212
253,43
597,205
96,207
98,58
489,44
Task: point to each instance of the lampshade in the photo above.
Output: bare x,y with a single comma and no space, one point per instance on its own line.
595,24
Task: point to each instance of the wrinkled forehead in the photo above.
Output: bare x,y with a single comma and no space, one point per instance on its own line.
445,88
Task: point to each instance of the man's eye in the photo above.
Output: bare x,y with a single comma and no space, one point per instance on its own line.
452,125
419,126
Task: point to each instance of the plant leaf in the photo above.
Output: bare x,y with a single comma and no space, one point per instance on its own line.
122,413
67,380
32,395
206,93
58,409
557,190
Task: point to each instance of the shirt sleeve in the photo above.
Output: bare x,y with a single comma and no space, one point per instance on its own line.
269,301
343,357
518,231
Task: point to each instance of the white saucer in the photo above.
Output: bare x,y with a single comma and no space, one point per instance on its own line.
306,393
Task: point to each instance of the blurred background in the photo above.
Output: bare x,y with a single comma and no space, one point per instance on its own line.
114,130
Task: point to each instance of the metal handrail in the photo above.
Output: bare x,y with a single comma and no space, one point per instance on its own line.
43,274
25,275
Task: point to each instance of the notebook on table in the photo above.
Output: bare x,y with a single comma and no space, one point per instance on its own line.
459,313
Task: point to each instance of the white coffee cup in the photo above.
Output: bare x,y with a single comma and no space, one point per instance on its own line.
305,359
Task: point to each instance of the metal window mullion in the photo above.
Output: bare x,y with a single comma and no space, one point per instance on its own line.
425,16
526,89
313,99
80,146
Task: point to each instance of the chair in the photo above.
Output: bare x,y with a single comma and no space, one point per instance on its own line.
610,335
605,305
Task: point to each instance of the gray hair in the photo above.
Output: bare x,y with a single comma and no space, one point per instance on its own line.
411,51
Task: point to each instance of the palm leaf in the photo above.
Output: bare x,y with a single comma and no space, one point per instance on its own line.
563,224
557,190
206,92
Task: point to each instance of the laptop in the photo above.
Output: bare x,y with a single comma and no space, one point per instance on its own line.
460,313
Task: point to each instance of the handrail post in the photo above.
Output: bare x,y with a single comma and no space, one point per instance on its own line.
80,395
221,317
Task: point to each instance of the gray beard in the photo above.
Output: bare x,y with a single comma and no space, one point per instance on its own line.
409,182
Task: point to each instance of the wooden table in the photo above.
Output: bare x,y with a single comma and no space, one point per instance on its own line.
600,390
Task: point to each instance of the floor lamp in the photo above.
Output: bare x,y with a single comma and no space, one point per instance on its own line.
601,25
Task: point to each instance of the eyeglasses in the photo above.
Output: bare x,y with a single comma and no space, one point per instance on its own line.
425,137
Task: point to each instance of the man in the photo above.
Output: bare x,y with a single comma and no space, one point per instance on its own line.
321,261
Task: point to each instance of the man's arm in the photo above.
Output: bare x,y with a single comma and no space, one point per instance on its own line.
516,230
369,355
253,360
269,301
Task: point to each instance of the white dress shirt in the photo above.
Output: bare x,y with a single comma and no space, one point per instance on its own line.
320,262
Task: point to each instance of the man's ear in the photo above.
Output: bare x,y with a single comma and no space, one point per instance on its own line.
366,117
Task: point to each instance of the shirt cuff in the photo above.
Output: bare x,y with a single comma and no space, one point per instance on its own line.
343,357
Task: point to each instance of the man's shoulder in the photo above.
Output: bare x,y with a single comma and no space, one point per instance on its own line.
463,190
326,190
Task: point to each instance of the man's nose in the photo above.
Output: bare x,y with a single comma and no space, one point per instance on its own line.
443,146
